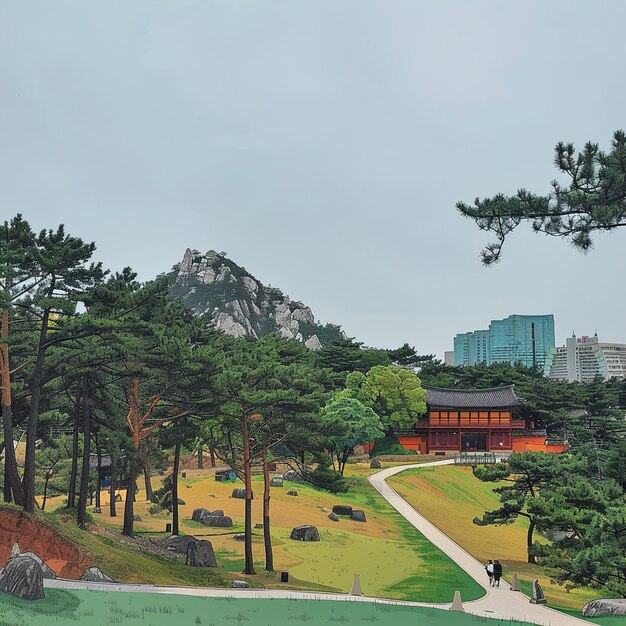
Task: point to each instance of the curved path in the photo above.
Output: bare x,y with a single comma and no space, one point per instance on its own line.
499,602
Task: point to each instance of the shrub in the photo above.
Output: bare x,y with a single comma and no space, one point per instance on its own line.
389,444
325,477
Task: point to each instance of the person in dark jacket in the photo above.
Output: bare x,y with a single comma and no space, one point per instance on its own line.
497,573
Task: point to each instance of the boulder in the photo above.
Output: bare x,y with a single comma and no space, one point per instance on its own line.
217,513
305,533
177,544
240,493
340,509
277,481
375,464
21,577
181,501
293,477
95,575
46,572
96,509
201,554
292,492
332,517
137,518
218,521
239,537
604,606
198,514
358,516
240,584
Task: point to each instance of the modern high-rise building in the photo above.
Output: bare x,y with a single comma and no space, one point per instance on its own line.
583,358
524,339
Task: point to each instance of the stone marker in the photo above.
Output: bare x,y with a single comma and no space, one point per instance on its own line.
219,521
292,492
538,597
333,517
239,537
340,509
46,572
604,606
118,497
201,554
375,464
95,575
21,577
358,516
355,590
240,584
277,481
457,604
198,514
305,533
515,583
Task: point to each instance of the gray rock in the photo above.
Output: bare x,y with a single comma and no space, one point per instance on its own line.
201,554
217,521
239,493
292,492
332,517
277,481
604,606
217,513
97,509
239,537
358,516
240,584
324,509
46,572
305,533
95,575
137,518
21,577
258,525
118,497
340,509
375,464
293,477
177,544
181,501
198,514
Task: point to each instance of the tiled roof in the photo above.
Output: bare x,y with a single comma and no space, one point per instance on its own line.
494,397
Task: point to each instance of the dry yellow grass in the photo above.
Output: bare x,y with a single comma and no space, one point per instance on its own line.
450,497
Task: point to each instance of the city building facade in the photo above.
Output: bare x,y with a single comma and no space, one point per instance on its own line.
524,339
582,359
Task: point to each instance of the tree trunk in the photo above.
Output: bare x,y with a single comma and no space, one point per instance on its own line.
45,492
84,477
212,453
71,495
148,483
12,485
112,493
128,505
267,538
529,541
200,459
28,482
249,561
175,529
99,473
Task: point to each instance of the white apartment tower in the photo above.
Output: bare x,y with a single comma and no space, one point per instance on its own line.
583,358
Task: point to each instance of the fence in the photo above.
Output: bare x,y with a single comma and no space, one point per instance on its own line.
475,458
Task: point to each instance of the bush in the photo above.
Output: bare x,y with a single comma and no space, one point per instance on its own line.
325,477
389,444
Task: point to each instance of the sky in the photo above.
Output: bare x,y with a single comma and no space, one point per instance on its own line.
323,146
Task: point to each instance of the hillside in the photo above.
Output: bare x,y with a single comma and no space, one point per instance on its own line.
241,305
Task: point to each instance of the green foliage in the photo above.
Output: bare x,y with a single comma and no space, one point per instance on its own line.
593,200
389,445
325,477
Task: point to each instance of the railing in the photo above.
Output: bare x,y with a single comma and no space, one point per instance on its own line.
475,458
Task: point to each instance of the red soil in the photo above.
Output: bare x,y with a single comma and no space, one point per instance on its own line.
66,560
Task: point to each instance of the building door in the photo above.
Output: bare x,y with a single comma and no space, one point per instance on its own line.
472,442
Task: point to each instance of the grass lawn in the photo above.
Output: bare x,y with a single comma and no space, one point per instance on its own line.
450,497
392,558
93,608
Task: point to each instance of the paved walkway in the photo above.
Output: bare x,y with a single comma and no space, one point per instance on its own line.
498,602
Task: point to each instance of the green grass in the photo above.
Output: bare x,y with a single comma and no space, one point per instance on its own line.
93,608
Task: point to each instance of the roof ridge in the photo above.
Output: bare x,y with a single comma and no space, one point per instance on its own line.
460,389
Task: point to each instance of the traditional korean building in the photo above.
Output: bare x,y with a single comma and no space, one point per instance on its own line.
469,420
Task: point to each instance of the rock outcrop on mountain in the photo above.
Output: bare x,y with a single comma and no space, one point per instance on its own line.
242,306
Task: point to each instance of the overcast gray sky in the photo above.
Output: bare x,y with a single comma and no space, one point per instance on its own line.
323,145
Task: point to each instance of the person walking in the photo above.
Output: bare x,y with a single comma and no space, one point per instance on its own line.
497,573
489,569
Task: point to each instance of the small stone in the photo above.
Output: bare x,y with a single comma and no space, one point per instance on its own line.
305,533
258,525
97,509
375,464
239,537
324,509
292,492
277,481
181,501
340,509
240,584
95,575
358,516
293,477
332,517
21,577
137,518
118,497
15,550
201,554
